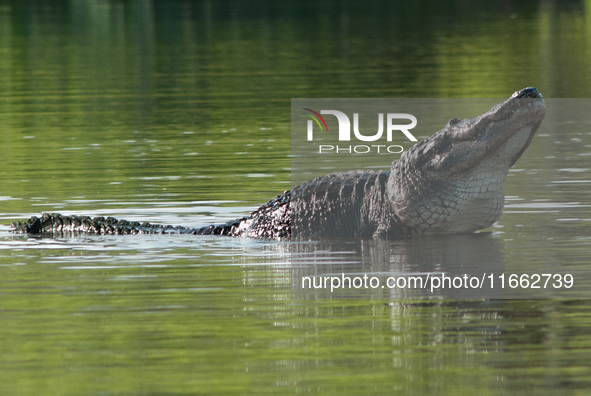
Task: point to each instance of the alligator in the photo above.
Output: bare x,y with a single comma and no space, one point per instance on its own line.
449,183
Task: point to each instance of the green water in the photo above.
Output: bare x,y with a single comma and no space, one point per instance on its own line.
179,112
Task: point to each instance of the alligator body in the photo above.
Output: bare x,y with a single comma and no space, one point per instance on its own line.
449,183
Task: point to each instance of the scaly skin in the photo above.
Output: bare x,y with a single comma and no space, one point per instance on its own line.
449,183
271,220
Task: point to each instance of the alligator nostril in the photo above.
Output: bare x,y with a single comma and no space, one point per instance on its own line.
529,92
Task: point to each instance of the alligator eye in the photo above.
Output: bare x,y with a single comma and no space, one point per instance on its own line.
454,121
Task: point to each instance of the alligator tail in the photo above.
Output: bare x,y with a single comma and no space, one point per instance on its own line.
57,224
271,220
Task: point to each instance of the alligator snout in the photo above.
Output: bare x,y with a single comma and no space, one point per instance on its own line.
527,93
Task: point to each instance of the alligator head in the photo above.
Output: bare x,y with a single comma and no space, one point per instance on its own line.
453,181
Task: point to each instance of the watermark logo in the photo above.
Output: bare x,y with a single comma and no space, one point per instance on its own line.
316,117
392,124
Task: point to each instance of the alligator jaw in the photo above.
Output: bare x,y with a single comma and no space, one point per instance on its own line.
453,181
501,134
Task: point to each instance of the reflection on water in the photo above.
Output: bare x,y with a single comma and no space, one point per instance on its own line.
178,112
477,255
160,312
